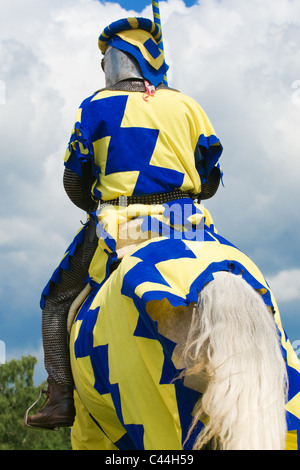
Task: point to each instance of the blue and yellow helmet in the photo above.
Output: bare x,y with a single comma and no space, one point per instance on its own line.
139,37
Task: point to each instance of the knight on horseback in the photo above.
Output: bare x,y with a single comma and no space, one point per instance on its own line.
138,141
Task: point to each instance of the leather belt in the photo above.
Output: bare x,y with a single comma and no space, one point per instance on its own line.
156,198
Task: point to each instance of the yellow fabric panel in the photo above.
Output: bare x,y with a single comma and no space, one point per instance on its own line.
68,153
111,217
102,94
292,358
122,183
291,441
97,268
100,150
137,38
146,114
293,406
100,406
145,356
85,434
148,286
134,22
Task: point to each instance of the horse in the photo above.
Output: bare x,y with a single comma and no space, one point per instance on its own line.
157,366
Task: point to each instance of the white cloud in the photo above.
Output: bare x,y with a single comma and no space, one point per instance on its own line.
286,285
237,58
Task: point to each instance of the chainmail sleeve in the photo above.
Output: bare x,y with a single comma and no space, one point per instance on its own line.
78,188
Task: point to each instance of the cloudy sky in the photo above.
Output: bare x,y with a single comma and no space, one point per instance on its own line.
239,59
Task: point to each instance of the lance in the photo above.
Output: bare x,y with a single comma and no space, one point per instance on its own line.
156,17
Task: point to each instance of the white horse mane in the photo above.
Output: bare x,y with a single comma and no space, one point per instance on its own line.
234,344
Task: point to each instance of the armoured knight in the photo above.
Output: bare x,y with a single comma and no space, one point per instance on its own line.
136,138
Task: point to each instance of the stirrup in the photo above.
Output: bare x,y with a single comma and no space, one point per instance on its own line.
42,406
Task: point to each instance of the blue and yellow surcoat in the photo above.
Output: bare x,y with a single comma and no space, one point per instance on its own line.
139,147
128,393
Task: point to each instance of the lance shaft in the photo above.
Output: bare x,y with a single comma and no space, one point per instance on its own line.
156,18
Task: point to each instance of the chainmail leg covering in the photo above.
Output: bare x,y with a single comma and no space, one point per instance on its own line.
57,305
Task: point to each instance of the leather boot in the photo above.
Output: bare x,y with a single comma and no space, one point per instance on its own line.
57,411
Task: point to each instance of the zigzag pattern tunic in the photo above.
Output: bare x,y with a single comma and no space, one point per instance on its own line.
140,147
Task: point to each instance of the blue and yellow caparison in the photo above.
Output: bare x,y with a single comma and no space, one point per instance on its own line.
123,369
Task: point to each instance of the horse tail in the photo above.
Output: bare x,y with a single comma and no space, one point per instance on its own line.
233,342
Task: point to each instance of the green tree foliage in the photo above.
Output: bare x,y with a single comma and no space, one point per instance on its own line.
17,393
